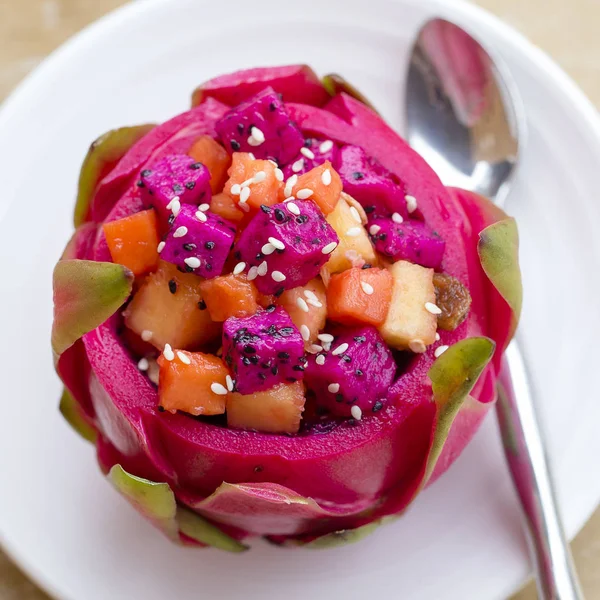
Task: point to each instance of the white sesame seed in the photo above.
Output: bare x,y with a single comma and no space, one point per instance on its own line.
301,303
160,247
262,269
305,332
289,199
180,231
143,364
257,137
417,346
334,388
293,208
356,412
278,174
218,388
327,346
440,350
310,294
246,183
315,348
267,249
329,248
289,185
367,288
355,214
251,155
229,382
397,218
272,162
235,190
244,195
252,273
325,337
146,335
278,276
434,309
340,349
326,177
277,243
437,336
354,231
298,165
204,207
326,146
239,268
184,358
411,203
307,152
244,206
314,302
259,176
192,262
201,216
153,372
168,352
175,206
374,229
304,193
173,199
320,360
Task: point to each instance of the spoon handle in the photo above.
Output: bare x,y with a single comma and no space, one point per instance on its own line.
526,456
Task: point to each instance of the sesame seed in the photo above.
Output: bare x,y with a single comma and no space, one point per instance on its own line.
301,303
279,174
355,214
244,195
440,350
173,199
277,276
201,216
334,388
239,268
168,352
314,302
153,372
325,337
298,165
192,262
277,243
218,388
329,248
143,364
257,137
180,231
204,207
184,358
304,193
307,152
272,162
305,332
289,185
246,183
293,208
251,155
175,206
229,382
315,348
160,247
289,199
326,177
235,190
259,176
262,269
244,206
356,412
340,349
354,231
320,360
310,294
267,249
327,346
411,203
374,229
437,336
434,309
417,346
146,335
397,218
326,146
367,288
252,273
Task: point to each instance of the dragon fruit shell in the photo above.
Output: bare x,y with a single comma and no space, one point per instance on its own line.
410,240
265,112
208,240
263,350
360,376
302,164
304,236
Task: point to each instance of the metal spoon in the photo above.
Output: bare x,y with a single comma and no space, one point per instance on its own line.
465,117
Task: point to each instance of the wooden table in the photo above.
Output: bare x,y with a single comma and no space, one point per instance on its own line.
566,29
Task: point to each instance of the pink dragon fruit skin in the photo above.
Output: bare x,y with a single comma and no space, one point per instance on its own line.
410,240
322,150
266,112
208,239
263,350
175,176
304,236
361,375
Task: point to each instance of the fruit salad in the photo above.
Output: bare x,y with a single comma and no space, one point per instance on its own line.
273,319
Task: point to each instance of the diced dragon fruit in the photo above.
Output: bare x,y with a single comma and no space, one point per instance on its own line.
285,245
263,350
261,125
378,190
357,371
409,240
198,242
320,150
175,176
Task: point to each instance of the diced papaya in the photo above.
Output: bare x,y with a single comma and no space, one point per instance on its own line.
307,306
325,184
276,410
215,158
133,241
191,382
224,206
229,296
168,309
360,296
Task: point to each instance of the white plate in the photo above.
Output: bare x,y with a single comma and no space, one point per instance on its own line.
64,524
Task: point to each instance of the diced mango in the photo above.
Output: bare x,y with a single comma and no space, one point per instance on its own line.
325,184
229,296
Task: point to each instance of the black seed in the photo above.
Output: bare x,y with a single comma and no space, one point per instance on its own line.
238,255
286,331
140,183
280,215
270,308
358,175
303,360
266,209
307,143
228,359
339,397
369,209
366,266
246,361
258,256
190,185
195,166
291,379
275,370
254,359
284,355
188,269
146,172
177,188
360,339
240,127
202,305
266,365
262,376
235,145
160,408
209,245
346,358
358,372
315,241
298,368
208,267
248,349
171,219
272,106
258,469
377,406
278,292
297,239
383,236
189,247
302,219
354,400
172,286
